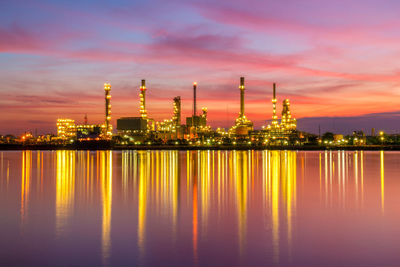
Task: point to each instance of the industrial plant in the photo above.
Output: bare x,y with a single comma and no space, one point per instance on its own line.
144,130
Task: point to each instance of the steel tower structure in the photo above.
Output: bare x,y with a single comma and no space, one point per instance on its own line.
241,87
194,99
142,95
177,111
108,126
274,122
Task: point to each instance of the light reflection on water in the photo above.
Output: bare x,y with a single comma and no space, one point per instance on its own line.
65,189
199,208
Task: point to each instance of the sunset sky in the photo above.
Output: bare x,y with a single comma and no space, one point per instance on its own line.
330,58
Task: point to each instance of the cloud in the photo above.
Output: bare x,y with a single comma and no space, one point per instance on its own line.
328,60
17,39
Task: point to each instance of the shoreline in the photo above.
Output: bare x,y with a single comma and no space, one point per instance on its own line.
108,146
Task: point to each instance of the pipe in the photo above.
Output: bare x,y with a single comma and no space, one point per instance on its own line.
194,98
241,87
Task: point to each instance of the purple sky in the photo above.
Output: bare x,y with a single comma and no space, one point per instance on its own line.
330,58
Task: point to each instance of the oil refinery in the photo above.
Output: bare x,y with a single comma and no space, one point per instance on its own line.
144,130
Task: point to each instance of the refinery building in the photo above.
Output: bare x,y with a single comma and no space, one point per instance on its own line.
143,129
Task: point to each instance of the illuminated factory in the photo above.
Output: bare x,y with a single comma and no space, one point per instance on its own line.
145,130
171,128
196,124
243,126
136,126
280,133
68,131
140,129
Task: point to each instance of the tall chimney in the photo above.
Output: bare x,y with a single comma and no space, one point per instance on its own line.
241,87
274,90
142,95
194,98
274,117
108,126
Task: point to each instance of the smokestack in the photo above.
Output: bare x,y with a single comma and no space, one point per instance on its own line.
194,98
241,87
142,95
274,117
108,128
274,89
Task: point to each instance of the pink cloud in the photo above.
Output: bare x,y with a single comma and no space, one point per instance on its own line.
334,74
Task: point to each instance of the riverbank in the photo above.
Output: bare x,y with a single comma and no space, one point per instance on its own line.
109,146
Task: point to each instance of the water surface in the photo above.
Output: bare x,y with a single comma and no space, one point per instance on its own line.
201,208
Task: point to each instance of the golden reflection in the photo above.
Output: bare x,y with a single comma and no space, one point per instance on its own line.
219,181
25,183
65,188
279,183
37,171
344,168
41,175
87,166
241,180
142,201
174,180
106,195
128,172
331,173
320,173
205,188
290,165
157,175
86,174
8,173
362,177
326,176
339,173
382,181
215,181
356,174
188,171
275,170
193,167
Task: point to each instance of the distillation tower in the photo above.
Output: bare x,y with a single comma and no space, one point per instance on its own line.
108,126
142,95
274,122
242,125
287,122
176,118
284,129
